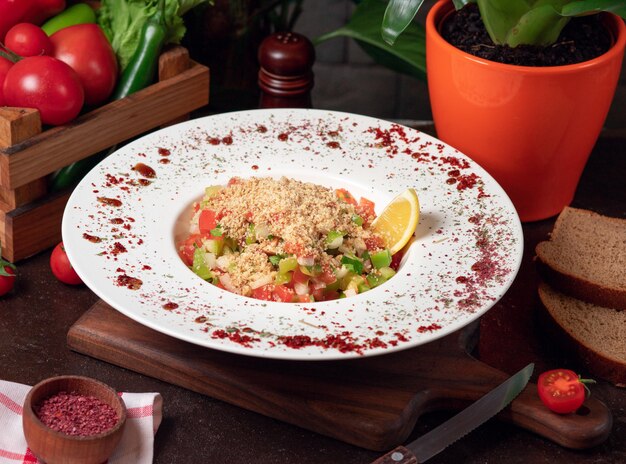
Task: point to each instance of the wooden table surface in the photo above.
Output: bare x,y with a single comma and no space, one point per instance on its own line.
35,318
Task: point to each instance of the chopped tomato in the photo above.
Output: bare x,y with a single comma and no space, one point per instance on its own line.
374,242
271,292
366,208
263,293
346,196
323,294
207,220
299,277
283,293
327,277
302,299
562,390
188,247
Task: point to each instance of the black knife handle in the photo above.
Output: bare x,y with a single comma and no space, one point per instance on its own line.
399,455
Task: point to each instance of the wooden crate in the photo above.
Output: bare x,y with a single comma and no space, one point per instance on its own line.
30,218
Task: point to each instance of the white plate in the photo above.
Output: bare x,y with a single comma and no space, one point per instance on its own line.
467,250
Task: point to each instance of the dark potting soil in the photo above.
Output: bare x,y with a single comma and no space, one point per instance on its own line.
582,39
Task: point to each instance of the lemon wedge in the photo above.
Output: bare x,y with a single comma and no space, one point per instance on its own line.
396,224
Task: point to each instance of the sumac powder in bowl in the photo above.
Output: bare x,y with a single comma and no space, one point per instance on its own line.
73,420
76,414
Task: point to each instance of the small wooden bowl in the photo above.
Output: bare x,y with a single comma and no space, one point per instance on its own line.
54,447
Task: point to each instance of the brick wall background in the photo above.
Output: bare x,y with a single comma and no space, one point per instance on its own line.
346,79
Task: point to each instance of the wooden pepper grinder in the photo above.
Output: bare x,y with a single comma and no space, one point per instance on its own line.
286,75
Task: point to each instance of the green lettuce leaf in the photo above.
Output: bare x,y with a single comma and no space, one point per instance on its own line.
122,21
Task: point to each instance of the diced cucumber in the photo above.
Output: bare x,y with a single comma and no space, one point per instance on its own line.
199,266
374,280
363,287
250,235
381,259
212,190
287,264
387,272
214,246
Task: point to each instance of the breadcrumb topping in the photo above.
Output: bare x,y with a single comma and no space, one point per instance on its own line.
287,217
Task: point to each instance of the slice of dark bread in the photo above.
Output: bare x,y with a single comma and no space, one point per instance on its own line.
586,257
597,335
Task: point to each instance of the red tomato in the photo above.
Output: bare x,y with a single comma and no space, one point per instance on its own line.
283,293
11,12
26,39
188,247
263,293
5,65
299,277
346,196
41,10
366,208
561,390
7,277
47,84
62,268
207,221
87,50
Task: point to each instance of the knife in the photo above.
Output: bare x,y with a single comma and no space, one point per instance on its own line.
436,440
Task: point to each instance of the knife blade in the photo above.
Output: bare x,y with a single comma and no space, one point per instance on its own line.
468,419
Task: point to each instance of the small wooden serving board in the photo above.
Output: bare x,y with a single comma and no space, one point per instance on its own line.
372,402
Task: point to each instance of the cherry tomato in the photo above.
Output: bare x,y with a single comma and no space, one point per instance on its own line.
47,84
7,277
87,50
62,268
5,65
562,390
26,39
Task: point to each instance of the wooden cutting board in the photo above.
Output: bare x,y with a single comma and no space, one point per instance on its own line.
372,402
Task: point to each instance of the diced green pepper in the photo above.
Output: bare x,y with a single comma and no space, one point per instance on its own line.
287,264
358,220
334,239
381,259
281,278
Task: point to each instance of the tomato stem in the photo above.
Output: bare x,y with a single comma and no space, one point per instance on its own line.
5,52
586,382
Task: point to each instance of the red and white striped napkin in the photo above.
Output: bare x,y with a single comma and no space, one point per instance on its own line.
145,411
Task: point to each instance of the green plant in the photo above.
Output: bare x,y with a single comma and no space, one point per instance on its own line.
508,22
408,53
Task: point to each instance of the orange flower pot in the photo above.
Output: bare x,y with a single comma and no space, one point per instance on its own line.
531,128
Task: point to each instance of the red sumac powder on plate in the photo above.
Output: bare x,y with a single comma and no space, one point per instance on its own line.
76,414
